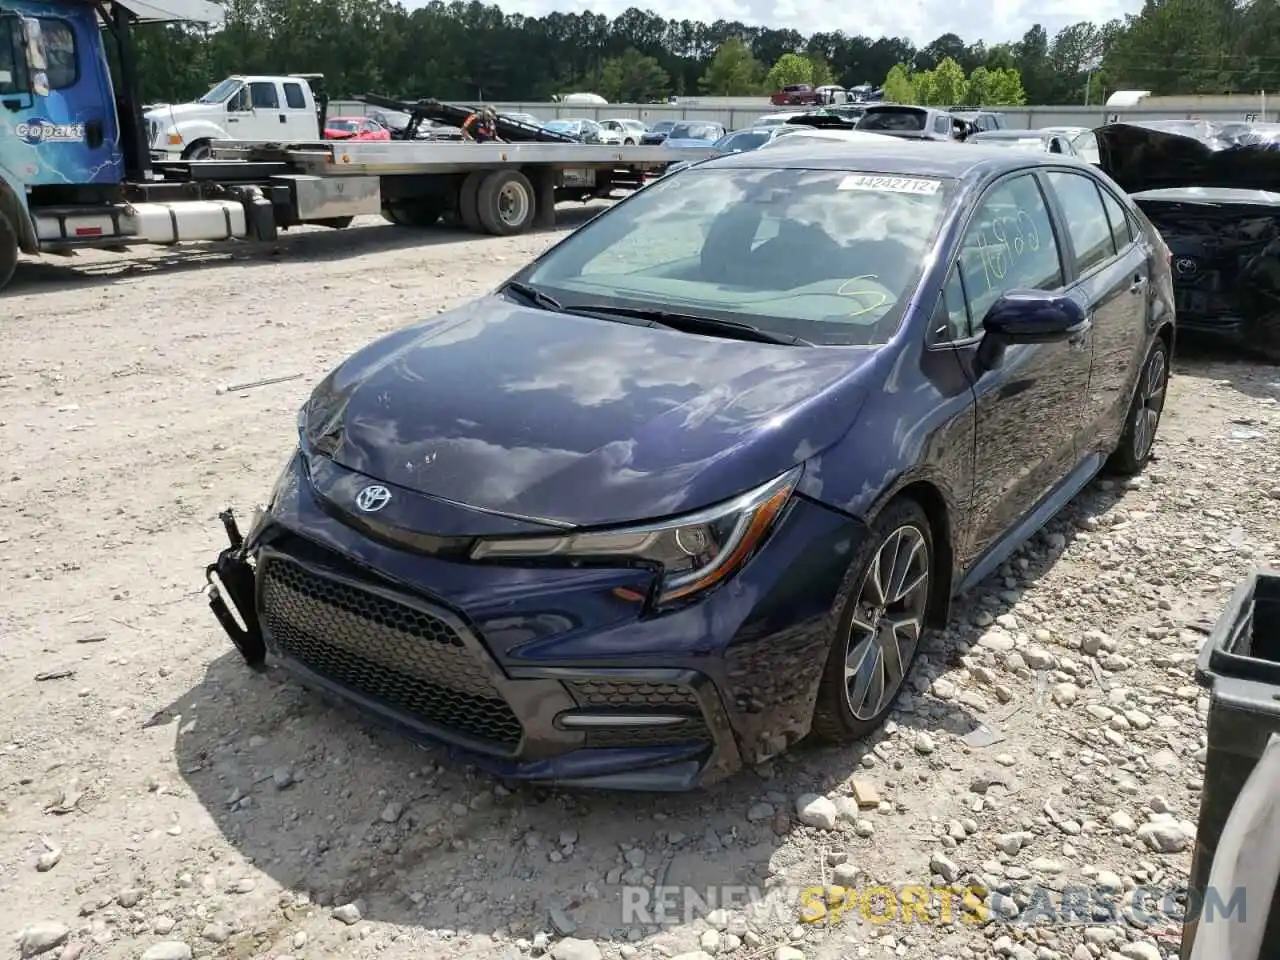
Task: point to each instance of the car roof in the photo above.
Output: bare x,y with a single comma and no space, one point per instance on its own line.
897,157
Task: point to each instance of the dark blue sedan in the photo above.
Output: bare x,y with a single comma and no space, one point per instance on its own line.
697,482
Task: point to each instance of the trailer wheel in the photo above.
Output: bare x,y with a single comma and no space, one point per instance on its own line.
505,203
8,251
468,200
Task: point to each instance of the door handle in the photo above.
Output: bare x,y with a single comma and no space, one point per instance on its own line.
1139,282
233,119
282,118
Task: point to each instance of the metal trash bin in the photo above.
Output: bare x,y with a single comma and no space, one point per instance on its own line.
1240,665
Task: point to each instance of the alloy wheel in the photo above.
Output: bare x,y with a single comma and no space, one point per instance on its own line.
887,622
1150,404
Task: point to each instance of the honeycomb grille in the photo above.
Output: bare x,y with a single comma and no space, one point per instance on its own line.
628,695
603,737
389,651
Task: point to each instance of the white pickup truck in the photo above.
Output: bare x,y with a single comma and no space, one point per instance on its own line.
262,109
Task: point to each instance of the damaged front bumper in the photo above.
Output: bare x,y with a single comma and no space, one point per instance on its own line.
232,593
607,727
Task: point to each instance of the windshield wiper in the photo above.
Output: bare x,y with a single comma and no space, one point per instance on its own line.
692,323
533,294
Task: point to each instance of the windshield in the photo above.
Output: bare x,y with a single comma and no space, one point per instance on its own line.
742,142
662,126
563,126
221,92
342,124
829,256
695,131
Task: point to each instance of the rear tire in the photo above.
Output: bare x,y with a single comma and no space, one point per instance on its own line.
8,251
1143,419
505,203
881,627
468,195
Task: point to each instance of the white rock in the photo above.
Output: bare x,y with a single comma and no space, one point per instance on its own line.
571,948
42,937
817,811
945,867
1121,822
1164,836
167,950
785,952
348,913
1142,950
924,743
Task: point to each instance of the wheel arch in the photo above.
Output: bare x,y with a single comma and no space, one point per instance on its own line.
1167,333
930,498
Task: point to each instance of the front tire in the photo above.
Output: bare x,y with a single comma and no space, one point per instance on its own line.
199,151
1143,419
8,251
880,628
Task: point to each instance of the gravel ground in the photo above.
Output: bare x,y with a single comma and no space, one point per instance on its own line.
159,800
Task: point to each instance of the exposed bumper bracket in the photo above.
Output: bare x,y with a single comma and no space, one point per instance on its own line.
232,587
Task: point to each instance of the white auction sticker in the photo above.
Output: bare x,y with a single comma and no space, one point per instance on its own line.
866,181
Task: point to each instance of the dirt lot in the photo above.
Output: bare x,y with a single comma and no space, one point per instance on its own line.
159,800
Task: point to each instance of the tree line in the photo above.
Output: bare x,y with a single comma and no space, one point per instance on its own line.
472,51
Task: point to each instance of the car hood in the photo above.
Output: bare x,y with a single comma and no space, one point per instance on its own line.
1140,159
542,415
177,112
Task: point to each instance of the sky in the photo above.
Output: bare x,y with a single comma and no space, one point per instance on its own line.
919,20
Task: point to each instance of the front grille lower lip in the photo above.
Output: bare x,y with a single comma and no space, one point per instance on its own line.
401,654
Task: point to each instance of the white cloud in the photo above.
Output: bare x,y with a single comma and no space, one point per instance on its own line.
919,20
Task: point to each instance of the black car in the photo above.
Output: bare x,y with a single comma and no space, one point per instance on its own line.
698,481
658,133
1218,209
982,121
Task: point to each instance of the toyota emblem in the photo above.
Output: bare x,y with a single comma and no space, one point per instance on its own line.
1185,266
373,498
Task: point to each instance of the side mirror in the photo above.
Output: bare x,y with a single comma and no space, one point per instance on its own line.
1029,316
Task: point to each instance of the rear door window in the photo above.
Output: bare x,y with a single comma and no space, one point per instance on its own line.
294,96
1121,223
1086,218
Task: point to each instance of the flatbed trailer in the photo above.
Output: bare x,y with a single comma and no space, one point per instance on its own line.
68,183
500,189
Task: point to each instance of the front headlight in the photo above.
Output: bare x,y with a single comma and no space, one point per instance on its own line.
694,552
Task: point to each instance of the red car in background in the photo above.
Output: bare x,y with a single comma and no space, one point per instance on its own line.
354,128
795,95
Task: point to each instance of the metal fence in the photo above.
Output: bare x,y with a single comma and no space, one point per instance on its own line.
743,115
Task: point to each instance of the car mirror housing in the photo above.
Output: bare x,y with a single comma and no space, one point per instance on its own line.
1029,316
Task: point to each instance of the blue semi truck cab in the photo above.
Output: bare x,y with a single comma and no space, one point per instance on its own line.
76,160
